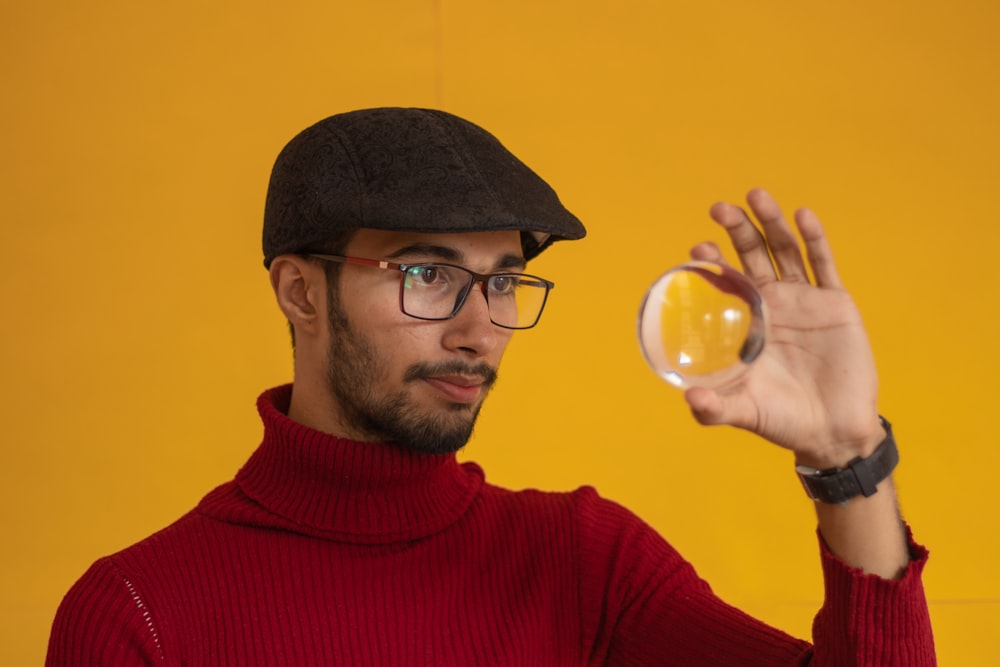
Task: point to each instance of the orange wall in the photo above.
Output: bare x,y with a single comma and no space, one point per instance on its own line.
138,326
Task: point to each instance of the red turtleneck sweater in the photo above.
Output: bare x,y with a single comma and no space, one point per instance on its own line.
329,552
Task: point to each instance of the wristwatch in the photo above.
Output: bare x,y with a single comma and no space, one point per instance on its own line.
859,478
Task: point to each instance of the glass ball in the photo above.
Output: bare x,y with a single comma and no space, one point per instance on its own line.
701,324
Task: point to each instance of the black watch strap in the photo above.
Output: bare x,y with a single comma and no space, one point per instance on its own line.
859,478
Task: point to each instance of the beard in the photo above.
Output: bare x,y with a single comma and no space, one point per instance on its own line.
353,369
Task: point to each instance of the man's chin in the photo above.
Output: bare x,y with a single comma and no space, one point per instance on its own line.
447,433
417,420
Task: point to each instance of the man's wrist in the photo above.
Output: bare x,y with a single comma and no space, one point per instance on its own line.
859,477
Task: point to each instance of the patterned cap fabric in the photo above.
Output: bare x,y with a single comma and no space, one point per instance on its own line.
413,170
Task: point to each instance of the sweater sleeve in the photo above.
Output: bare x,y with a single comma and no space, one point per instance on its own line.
103,621
868,621
656,610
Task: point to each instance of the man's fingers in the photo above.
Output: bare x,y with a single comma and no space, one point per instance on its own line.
774,250
817,249
779,236
747,241
707,252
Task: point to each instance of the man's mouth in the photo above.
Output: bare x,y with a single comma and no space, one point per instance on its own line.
457,382
457,388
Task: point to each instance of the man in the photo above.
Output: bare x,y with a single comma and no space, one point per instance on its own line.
397,242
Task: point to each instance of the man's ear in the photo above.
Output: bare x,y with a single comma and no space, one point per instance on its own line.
300,289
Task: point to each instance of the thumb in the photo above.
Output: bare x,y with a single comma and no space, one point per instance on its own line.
706,405
730,406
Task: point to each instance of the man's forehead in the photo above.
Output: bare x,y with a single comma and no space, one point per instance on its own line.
468,246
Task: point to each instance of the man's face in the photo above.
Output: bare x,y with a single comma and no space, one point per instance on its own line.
415,383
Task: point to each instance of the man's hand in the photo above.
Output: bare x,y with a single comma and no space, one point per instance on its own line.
814,388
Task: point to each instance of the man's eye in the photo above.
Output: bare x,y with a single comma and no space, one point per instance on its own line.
503,284
426,275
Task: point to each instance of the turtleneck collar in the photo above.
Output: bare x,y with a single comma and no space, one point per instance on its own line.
307,481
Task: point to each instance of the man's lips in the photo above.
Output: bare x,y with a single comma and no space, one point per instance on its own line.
455,381
457,388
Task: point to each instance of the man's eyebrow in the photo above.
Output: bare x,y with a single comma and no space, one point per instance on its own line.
431,252
427,251
512,261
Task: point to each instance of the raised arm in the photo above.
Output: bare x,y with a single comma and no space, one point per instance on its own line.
814,391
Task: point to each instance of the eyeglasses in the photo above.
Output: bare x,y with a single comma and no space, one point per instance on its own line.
434,291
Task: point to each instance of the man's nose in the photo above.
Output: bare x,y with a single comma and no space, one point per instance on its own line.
471,328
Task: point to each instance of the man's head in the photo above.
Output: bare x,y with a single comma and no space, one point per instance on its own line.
387,350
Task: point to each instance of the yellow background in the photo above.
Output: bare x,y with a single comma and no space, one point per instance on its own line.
138,326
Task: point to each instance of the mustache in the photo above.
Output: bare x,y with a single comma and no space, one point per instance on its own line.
483,371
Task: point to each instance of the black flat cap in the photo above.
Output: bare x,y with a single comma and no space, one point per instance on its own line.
414,170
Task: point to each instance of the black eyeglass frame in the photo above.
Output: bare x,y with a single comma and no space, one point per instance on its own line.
480,278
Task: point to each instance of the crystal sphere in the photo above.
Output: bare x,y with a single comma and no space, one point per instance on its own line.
701,324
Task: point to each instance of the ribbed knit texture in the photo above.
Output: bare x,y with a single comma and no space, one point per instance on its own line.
324,551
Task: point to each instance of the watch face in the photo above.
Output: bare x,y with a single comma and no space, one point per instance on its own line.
812,482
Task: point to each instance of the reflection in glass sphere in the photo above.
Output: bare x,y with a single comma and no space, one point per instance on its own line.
701,324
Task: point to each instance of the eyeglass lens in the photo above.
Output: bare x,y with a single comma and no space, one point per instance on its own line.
438,291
